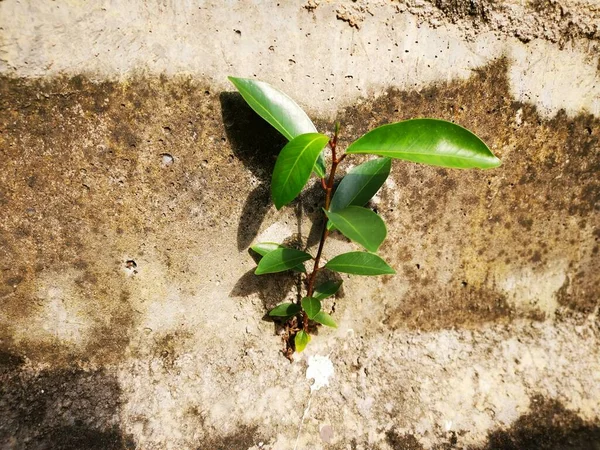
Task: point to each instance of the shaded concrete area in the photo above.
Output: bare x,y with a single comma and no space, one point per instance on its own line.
64,408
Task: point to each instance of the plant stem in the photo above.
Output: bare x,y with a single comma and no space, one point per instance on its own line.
328,192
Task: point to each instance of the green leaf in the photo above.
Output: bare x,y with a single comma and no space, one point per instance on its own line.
361,225
311,306
275,107
285,310
279,110
325,319
326,289
262,248
360,263
428,141
294,165
361,184
301,340
319,167
281,259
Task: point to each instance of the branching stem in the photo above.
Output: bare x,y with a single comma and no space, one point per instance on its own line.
328,193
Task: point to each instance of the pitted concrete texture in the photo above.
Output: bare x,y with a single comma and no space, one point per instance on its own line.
134,180
321,60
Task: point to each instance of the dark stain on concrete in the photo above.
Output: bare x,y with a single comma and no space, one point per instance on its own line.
244,437
549,426
61,409
85,190
169,348
428,308
398,441
564,27
540,207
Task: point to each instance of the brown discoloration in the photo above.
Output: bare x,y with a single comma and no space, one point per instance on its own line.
402,441
429,308
245,437
549,426
539,207
169,347
84,190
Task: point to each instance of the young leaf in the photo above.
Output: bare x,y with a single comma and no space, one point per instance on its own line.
325,319
301,340
285,310
361,225
326,289
311,306
360,263
361,184
275,107
428,141
281,259
294,165
262,248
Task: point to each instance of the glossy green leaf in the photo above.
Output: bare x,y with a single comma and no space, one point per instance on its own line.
325,319
279,110
311,306
262,248
326,289
301,340
361,183
285,310
319,168
360,263
427,141
360,225
275,107
294,165
281,259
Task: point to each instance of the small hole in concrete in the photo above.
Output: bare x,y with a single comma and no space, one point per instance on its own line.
418,266
464,283
131,264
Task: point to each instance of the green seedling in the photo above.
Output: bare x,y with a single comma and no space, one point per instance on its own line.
424,140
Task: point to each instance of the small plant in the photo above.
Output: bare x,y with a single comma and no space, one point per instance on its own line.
428,141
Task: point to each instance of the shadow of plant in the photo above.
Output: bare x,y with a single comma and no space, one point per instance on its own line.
256,144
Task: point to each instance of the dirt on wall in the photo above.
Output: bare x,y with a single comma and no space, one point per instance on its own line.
128,207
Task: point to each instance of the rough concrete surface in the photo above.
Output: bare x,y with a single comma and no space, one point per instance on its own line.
134,180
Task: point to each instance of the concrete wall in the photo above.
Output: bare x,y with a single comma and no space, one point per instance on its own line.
123,142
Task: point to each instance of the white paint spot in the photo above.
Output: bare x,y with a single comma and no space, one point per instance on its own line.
320,368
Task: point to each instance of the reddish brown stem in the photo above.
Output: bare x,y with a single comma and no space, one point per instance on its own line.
328,191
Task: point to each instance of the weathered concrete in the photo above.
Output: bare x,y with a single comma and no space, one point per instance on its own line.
133,184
